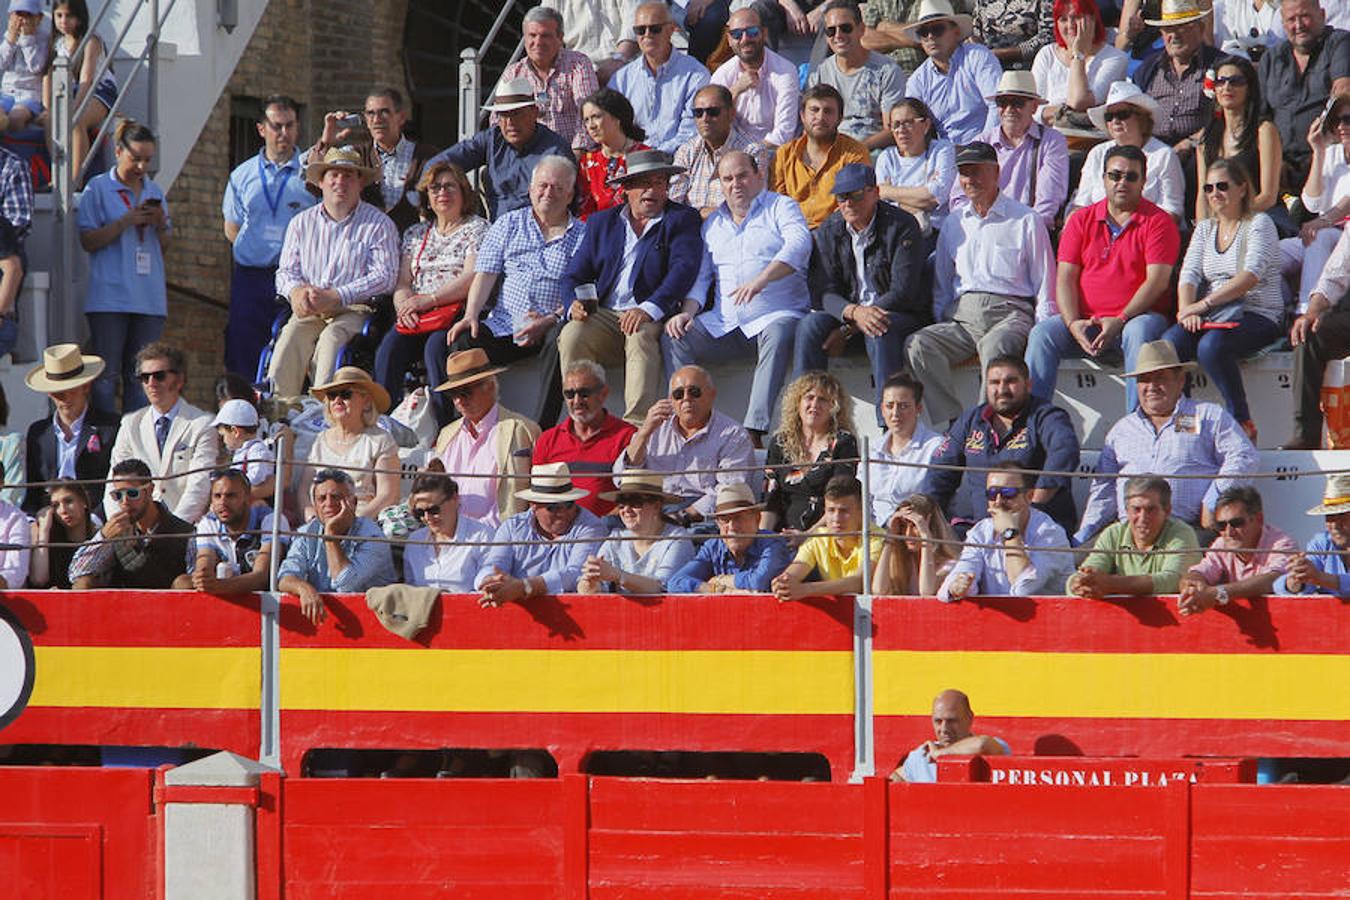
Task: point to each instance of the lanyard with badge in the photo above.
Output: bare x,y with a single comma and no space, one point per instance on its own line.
143,262
273,232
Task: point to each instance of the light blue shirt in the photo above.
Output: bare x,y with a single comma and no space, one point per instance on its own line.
262,197
1325,555
935,170
1045,572
448,565
370,563
919,769
127,275
663,101
774,230
663,560
893,483
530,555
957,97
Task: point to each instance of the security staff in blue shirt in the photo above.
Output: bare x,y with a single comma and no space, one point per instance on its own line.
262,196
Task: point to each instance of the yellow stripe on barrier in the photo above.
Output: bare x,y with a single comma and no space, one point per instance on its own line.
580,681
148,677
1118,685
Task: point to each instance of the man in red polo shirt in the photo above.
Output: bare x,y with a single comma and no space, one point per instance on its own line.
589,439
1115,266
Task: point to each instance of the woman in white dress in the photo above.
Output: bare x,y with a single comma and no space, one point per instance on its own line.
352,403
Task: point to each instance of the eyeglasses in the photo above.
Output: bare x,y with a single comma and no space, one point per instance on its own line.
906,123
339,394
1231,80
1118,115
1007,493
694,392
129,493
378,113
1225,524
831,30
640,30
934,30
460,393
852,196
633,499
751,32
421,512
582,392
442,187
1119,175
1220,186
156,376
711,112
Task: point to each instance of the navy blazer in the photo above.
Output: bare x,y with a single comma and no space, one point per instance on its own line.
92,459
668,257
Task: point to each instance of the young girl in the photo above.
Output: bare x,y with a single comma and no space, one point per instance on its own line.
71,20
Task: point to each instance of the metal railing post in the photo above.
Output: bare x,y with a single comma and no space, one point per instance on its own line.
470,92
269,705
62,283
864,747
152,72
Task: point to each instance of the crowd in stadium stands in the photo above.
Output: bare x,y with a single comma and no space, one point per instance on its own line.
660,186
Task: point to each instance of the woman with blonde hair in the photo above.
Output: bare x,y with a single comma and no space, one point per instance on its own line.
353,442
815,441
920,549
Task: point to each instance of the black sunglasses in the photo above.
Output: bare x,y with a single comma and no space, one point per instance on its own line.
1233,80
634,499
339,394
1225,524
1118,115
711,112
156,376
832,30
1220,186
1007,493
751,32
1117,175
582,392
693,391
421,512
640,30
557,507
1008,101
934,30
1343,120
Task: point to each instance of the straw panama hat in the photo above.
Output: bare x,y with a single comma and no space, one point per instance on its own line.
1335,498
734,498
1122,92
551,483
1156,356
467,366
355,377
64,367
1178,12
1017,84
340,158
640,481
939,10
516,93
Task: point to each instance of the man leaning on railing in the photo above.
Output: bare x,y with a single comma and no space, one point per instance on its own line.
131,550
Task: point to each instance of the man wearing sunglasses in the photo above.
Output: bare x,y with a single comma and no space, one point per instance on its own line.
661,81
1245,560
957,76
589,439
171,435
698,448
718,135
142,545
338,551
871,84
1174,77
233,545
764,86
1017,551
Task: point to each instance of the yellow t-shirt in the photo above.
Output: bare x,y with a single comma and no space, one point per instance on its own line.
825,556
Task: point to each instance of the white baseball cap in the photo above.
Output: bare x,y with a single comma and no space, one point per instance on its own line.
236,412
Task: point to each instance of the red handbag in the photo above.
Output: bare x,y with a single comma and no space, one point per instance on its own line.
437,318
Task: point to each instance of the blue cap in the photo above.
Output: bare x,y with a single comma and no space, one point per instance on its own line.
32,7
853,177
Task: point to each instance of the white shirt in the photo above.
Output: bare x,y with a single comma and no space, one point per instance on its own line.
1044,573
1239,26
867,294
1005,252
1335,181
450,566
67,450
893,483
256,460
1164,183
1106,67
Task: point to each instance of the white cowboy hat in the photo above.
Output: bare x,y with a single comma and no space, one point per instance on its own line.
1017,84
1335,498
515,93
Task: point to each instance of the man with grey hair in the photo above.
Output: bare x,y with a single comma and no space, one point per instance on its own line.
1145,553
562,78
589,440
661,81
510,151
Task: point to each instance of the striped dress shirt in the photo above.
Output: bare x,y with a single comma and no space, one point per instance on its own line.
357,257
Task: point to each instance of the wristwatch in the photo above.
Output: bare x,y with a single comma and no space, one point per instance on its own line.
1009,533
1221,595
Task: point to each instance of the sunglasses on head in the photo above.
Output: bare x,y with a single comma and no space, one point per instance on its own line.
129,493
339,394
1220,186
156,376
582,392
1119,175
1118,115
1231,80
1007,493
750,31
1225,524
832,30
934,30
420,513
640,30
694,392
711,112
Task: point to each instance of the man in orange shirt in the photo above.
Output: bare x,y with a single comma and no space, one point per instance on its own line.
804,167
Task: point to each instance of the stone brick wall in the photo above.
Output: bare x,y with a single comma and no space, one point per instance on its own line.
325,55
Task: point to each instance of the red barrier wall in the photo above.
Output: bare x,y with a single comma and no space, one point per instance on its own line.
78,834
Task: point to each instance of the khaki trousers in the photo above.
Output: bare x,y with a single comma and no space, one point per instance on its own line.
310,345
599,339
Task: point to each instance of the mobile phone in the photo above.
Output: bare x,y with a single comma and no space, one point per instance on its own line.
352,121
152,201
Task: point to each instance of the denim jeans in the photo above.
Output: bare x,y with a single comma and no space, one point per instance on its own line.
1220,351
773,347
118,337
886,353
1050,341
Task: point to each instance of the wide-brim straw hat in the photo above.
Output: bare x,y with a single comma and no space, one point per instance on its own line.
1017,83
937,10
551,483
645,162
638,481
466,367
340,158
734,498
1335,498
359,379
1156,356
1122,92
1178,12
515,93
64,367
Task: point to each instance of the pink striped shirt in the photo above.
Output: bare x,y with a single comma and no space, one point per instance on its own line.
357,257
